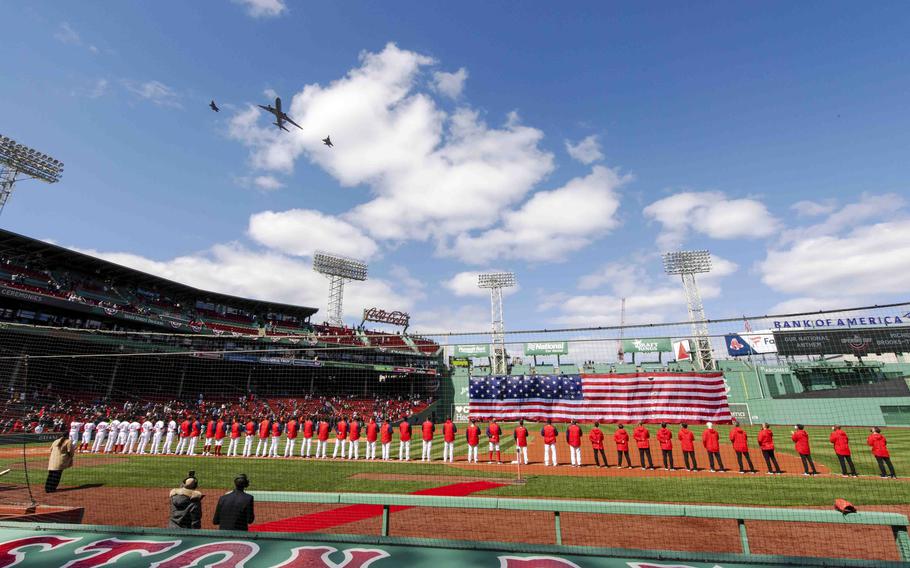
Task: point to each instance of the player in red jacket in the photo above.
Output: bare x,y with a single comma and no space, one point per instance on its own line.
493,434
209,437
801,439
741,447
309,429
195,430
596,436
665,439
879,446
687,445
472,435
341,438
323,431
766,445
354,436
184,436
549,434
220,433
643,441
521,442
710,439
276,437
290,432
621,439
404,441
236,429
372,436
248,433
841,443
573,438
427,430
448,440
385,438
262,442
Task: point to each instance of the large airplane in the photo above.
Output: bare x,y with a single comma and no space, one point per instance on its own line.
280,116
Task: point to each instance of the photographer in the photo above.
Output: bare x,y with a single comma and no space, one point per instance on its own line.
186,505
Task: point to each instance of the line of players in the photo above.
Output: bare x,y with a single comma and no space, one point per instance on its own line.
158,437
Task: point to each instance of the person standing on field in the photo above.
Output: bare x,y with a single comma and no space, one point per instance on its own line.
596,436
236,428
354,435
493,434
841,443
766,445
710,439
309,428
449,429
291,435
248,434
372,435
549,434
621,439
472,436
404,441
643,441
665,439
341,438
879,446
801,438
427,430
385,439
573,438
62,452
687,445
741,447
322,438
521,442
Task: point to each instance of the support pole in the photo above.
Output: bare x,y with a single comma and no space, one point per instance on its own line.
385,520
743,537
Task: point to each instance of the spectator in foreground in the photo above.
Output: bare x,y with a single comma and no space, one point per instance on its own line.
234,511
62,452
186,505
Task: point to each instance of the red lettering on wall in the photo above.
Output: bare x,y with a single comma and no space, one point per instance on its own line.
318,557
110,550
235,554
11,553
535,562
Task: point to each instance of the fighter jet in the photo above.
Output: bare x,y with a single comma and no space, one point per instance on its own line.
280,116
213,106
328,141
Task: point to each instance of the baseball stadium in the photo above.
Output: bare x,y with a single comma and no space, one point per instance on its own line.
737,436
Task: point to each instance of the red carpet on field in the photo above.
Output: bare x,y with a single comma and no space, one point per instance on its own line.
315,522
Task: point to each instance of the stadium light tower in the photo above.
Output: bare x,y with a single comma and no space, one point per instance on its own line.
687,264
495,282
18,162
338,269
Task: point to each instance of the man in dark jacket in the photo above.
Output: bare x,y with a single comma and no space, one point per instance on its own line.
234,511
186,506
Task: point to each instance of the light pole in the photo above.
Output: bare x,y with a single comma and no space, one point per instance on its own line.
687,264
495,282
18,162
338,269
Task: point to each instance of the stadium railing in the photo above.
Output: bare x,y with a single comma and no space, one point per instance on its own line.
896,521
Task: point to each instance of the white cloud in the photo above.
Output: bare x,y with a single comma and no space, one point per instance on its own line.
270,276
551,223
450,84
869,208
430,173
263,8
99,89
66,34
465,284
808,208
710,213
301,232
446,319
155,92
587,151
267,183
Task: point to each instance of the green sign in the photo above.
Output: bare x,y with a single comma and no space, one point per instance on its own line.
547,348
648,345
172,549
480,350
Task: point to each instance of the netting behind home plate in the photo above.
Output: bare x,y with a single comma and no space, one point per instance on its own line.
844,368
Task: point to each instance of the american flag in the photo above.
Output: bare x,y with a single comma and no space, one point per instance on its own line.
638,397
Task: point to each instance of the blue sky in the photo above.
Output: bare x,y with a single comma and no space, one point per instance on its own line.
571,145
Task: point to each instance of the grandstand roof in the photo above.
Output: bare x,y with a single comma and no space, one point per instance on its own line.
19,246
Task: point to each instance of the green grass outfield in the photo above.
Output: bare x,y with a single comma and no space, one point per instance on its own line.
336,476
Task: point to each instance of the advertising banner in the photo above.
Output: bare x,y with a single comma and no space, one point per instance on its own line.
740,412
682,350
547,348
648,345
857,342
739,344
479,350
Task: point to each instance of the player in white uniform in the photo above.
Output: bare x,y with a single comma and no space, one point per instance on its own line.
87,430
75,429
248,439
273,448
195,426
122,435
112,433
145,434
156,437
133,436
100,435
169,437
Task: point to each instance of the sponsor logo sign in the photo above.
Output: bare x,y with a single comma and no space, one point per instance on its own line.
739,344
479,350
740,412
857,342
648,345
841,322
547,348
682,349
